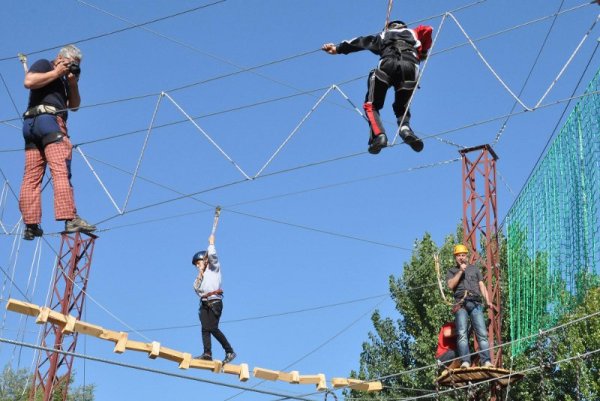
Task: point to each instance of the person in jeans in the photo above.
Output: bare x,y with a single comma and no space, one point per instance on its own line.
54,89
208,287
466,281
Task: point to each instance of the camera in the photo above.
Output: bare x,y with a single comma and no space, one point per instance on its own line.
74,68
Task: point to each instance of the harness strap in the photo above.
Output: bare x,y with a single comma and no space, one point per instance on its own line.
40,109
210,294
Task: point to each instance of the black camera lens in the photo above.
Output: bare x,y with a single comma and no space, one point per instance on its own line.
74,69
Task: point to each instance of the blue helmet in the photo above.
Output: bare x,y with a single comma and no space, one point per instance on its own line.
397,24
197,256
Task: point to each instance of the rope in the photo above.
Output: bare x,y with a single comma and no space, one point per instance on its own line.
150,370
436,260
389,12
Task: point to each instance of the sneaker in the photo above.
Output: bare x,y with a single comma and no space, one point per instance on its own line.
465,365
32,231
376,143
488,364
409,138
78,225
229,356
205,356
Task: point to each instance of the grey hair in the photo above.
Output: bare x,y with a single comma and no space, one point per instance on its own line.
71,51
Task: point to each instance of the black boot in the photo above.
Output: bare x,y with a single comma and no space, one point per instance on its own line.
32,231
409,138
376,143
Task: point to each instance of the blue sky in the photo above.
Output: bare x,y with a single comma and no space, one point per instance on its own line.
324,223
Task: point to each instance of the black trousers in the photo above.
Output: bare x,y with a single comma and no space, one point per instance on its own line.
401,74
210,313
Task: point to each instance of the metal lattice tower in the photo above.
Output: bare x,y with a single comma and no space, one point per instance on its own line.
480,226
553,228
53,370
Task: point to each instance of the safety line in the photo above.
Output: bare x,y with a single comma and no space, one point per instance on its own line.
150,370
306,116
537,57
144,145
190,119
419,78
138,97
119,30
106,191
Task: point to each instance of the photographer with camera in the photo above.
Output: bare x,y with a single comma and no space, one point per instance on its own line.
54,90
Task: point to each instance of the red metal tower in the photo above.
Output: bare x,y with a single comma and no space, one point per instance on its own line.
53,370
480,218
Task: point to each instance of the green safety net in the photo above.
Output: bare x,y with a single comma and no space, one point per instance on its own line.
553,228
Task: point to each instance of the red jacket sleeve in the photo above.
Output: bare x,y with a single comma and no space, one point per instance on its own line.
424,35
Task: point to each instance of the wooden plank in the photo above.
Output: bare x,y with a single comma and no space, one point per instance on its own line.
87,328
290,377
57,318
110,335
338,382
202,364
185,364
70,326
218,366
358,385
232,369
121,342
310,379
245,373
43,315
22,307
375,386
266,373
138,346
170,354
155,350
322,385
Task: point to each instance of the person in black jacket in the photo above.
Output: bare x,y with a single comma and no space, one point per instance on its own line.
400,50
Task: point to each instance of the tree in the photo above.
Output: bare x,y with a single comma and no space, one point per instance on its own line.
400,351
15,385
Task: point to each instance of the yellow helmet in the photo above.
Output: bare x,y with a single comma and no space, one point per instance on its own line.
460,248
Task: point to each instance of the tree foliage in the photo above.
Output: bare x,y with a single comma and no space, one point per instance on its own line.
401,351
15,385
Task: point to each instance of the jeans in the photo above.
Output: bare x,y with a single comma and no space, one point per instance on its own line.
474,312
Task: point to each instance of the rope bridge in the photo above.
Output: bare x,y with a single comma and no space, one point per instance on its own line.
553,228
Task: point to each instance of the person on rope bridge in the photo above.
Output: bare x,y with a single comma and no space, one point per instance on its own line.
208,287
446,348
400,50
53,89
466,281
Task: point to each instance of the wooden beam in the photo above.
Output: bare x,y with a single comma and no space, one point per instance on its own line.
245,373
70,326
138,346
87,328
266,374
170,354
185,364
290,377
361,385
43,315
232,369
338,382
155,350
310,379
214,365
22,307
121,342
57,318
110,335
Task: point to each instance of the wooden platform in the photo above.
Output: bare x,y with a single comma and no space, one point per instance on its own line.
462,376
154,349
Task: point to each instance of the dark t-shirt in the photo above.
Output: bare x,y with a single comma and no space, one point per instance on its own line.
54,94
469,281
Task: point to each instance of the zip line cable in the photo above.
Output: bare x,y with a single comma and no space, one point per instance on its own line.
151,370
552,134
138,97
103,35
535,61
260,317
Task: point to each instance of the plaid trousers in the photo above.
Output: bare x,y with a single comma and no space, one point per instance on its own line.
57,156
